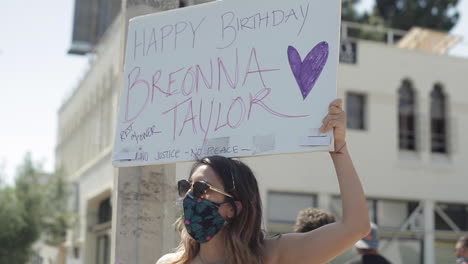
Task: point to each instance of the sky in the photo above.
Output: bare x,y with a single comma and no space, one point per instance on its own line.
37,74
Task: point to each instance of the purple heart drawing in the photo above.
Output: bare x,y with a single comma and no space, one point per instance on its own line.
308,71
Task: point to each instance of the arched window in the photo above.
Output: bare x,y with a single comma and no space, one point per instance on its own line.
104,211
406,116
102,234
438,120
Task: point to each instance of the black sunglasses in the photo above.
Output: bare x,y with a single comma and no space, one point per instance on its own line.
199,188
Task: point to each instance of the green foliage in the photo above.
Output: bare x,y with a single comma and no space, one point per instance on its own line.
19,215
439,15
376,32
13,248
2,172
57,219
404,14
29,192
348,11
36,207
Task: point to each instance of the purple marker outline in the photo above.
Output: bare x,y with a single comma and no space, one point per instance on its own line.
308,71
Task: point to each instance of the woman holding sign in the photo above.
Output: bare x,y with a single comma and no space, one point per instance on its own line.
223,213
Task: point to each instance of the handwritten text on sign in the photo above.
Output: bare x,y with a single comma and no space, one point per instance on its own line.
227,79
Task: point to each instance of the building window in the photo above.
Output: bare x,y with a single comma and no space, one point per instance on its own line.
76,252
103,252
348,52
458,214
283,209
438,120
406,116
355,108
387,214
104,211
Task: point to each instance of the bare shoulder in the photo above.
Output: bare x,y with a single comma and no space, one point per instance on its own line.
168,258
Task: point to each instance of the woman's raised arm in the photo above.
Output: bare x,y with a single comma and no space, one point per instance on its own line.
327,242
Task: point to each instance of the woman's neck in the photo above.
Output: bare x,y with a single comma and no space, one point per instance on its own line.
213,251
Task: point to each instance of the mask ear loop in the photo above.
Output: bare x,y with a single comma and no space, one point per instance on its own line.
232,202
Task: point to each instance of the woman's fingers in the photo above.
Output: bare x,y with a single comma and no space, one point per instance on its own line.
329,117
332,123
333,116
336,105
334,110
336,120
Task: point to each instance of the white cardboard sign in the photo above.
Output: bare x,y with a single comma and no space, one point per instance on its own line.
232,78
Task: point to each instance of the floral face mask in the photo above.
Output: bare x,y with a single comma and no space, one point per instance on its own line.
201,218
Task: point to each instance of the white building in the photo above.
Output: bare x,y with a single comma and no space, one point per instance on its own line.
407,112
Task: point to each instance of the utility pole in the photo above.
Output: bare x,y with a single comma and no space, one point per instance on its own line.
143,197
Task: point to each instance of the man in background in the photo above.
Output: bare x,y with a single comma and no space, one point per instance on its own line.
461,250
368,249
312,218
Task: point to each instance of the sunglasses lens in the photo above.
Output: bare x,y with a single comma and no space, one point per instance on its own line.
183,186
199,189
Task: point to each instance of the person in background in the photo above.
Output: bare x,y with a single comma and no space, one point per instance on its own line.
368,248
461,250
312,218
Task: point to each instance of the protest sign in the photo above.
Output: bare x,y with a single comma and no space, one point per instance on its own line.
233,78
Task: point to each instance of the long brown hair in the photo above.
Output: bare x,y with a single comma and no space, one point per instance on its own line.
239,181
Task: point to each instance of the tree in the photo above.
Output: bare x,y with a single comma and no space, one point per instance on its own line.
404,14
13,249
57,219
348,11
2,172
35,208
20,212
349,14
